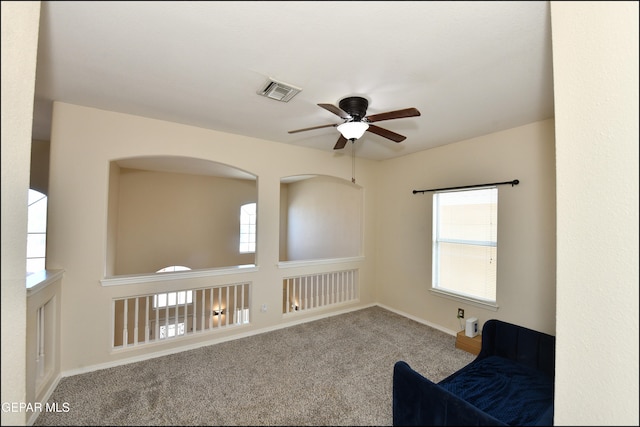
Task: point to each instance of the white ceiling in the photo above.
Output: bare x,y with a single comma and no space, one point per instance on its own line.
470,68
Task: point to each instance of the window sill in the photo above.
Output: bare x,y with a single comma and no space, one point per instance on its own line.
477,303
187,274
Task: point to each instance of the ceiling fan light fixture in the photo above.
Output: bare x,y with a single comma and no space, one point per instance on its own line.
353,130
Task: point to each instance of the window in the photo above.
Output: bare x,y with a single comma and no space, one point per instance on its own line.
170,330
173,268
171,299
36,231
242,315
248,228
465,230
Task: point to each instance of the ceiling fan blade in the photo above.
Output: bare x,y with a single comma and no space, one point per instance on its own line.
335,110
386,133
311,128
342,141
398,114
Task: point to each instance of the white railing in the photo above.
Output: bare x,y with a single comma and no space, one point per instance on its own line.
144,319
40,343
44,297
319,290
45,334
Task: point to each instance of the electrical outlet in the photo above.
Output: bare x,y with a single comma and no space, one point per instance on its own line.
263,308
460,313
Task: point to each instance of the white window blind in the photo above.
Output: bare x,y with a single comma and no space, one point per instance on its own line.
465,243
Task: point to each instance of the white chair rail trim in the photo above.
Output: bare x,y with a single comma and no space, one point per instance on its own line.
188,274
305,262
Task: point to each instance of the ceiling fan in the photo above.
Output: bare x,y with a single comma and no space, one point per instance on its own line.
353,110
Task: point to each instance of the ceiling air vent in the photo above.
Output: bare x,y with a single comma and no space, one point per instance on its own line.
279,91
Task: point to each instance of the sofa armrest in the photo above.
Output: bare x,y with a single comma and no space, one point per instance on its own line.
417,401
531,348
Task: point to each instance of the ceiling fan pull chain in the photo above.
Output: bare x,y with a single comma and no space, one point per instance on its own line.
353,162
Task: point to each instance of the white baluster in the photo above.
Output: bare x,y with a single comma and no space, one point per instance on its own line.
125,332
135,324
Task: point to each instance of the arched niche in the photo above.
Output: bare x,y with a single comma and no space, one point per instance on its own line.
320,218
171,210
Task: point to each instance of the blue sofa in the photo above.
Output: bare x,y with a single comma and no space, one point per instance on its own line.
510,382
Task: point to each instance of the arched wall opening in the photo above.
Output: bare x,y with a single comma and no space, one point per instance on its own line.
170,210
320,218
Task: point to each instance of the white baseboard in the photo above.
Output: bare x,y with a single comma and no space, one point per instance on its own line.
424,322
187,347
45,398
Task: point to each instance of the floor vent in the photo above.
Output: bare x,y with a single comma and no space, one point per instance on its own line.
279,91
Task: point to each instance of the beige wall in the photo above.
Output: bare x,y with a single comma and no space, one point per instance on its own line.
19,48
526,226
39,179
595,56
324,219
78,207
166,219
284,226
596,87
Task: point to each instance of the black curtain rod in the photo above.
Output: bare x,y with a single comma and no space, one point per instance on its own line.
514,182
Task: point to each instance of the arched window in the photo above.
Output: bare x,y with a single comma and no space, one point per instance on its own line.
36,231
248,228
173,268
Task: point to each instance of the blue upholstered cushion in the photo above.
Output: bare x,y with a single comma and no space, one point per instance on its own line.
507,390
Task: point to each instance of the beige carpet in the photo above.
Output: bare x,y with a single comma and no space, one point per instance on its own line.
333,371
